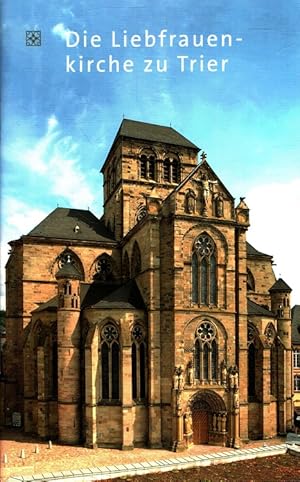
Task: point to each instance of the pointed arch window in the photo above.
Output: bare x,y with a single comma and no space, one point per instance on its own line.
136,262
250,281
126,267
67,256
274,370
171,170
252,361
206,352
204,271
138,363
147,167
104,268
110,363
251,370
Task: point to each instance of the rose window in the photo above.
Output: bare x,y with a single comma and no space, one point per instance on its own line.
109,333
103,266
137,333
204,245
206,331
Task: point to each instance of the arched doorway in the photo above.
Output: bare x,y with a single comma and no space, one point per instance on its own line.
209,416
200,417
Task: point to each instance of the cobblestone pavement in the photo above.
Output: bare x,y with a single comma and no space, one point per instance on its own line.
39,458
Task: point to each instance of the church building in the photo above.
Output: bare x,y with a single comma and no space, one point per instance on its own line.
156,325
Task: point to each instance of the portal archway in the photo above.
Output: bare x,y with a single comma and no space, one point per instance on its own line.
209,416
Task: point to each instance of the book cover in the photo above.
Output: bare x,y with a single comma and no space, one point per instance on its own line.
143,144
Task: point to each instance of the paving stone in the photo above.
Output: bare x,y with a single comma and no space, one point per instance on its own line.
86,471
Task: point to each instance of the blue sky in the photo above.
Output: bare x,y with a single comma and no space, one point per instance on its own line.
58,126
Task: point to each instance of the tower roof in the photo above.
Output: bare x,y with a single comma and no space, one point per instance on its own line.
280,285
151,132
68,271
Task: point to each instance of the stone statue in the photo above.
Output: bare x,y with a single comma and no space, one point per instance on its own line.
178,381
206,186
180,378
190,373
223,373
219,206
233,377
188,422
190,201
236,401
175,379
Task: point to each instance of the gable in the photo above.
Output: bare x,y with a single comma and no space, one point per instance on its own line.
202,193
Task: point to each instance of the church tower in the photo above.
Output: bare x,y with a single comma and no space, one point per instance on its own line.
145,161
280,305
68,341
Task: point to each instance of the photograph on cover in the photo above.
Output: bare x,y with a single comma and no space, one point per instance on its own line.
150,189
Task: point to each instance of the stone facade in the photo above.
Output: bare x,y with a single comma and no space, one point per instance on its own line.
158,325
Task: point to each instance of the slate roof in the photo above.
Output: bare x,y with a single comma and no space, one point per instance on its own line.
252,252
153,132
296,324
61,224
258,310
50,305
149,132
68,270
102,296
280,285
99,295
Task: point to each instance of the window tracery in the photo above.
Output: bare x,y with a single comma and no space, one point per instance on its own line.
171,170
103,267
206,352
110,363
138,360
148,166
204,271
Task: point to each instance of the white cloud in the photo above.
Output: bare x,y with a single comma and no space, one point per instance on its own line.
60,30
275,228
52,123
55,157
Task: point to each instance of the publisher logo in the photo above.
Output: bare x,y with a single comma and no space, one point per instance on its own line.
33,38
